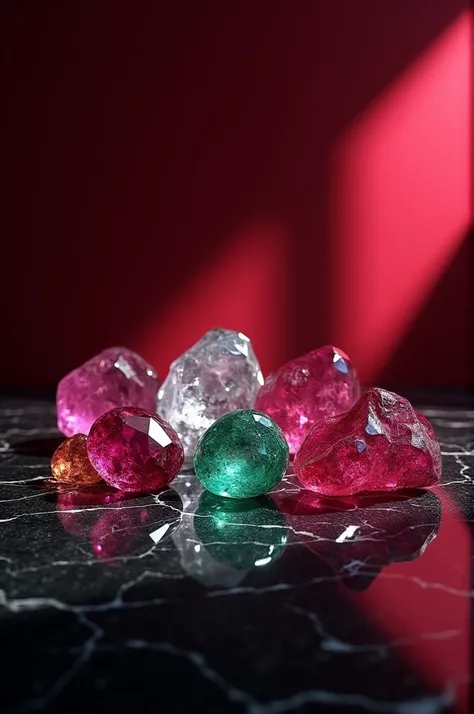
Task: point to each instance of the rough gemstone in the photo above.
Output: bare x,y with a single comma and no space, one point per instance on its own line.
320,384
381,444
134,450
242,455
219,374
70,463
116,377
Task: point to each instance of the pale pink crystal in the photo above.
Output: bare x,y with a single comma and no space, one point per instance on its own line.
381,444
115,377
320,384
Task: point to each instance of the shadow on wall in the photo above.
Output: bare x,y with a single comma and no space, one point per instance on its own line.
148,151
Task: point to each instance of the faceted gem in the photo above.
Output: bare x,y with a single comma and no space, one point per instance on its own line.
219,374
242,455
116,377
317,385
70,463
381,444
243,534
134,450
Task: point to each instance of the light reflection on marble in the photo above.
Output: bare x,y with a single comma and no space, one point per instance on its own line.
367,532
259,608
113,523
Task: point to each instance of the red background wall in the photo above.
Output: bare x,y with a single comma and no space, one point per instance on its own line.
295,170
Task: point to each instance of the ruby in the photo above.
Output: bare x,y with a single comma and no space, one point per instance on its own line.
116,377
381,444
134,450
320,384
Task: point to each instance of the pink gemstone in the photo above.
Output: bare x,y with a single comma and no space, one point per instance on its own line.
134,450
381,444
116,377
317,385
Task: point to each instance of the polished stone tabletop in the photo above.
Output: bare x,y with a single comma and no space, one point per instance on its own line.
181,602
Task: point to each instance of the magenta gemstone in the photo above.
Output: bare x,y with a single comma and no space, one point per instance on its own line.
381,444
134,450
116,377
320,384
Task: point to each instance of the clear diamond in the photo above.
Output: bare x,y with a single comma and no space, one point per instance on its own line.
219,374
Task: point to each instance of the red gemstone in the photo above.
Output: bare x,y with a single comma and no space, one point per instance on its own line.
320,384
381,444
134,450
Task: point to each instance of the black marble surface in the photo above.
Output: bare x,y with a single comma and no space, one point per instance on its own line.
276,605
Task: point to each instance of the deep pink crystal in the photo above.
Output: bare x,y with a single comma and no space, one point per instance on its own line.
134,449
320,384
116,377
381,444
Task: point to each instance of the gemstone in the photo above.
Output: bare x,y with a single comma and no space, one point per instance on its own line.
134,450
242,455
320,384
381,444
70,462
116,377
242,534
219,374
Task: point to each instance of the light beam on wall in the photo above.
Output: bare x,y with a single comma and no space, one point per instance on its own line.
401,199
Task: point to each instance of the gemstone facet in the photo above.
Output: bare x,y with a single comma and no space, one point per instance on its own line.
320,384
381,444
70,463
115,377
219,374
242,455
134,450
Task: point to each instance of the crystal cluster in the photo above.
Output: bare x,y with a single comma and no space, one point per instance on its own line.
115,377
242,455
320,384
381,444
134,450
219,374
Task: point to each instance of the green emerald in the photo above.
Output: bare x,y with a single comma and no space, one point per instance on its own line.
242,455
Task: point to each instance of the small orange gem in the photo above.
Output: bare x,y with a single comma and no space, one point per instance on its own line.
70,463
